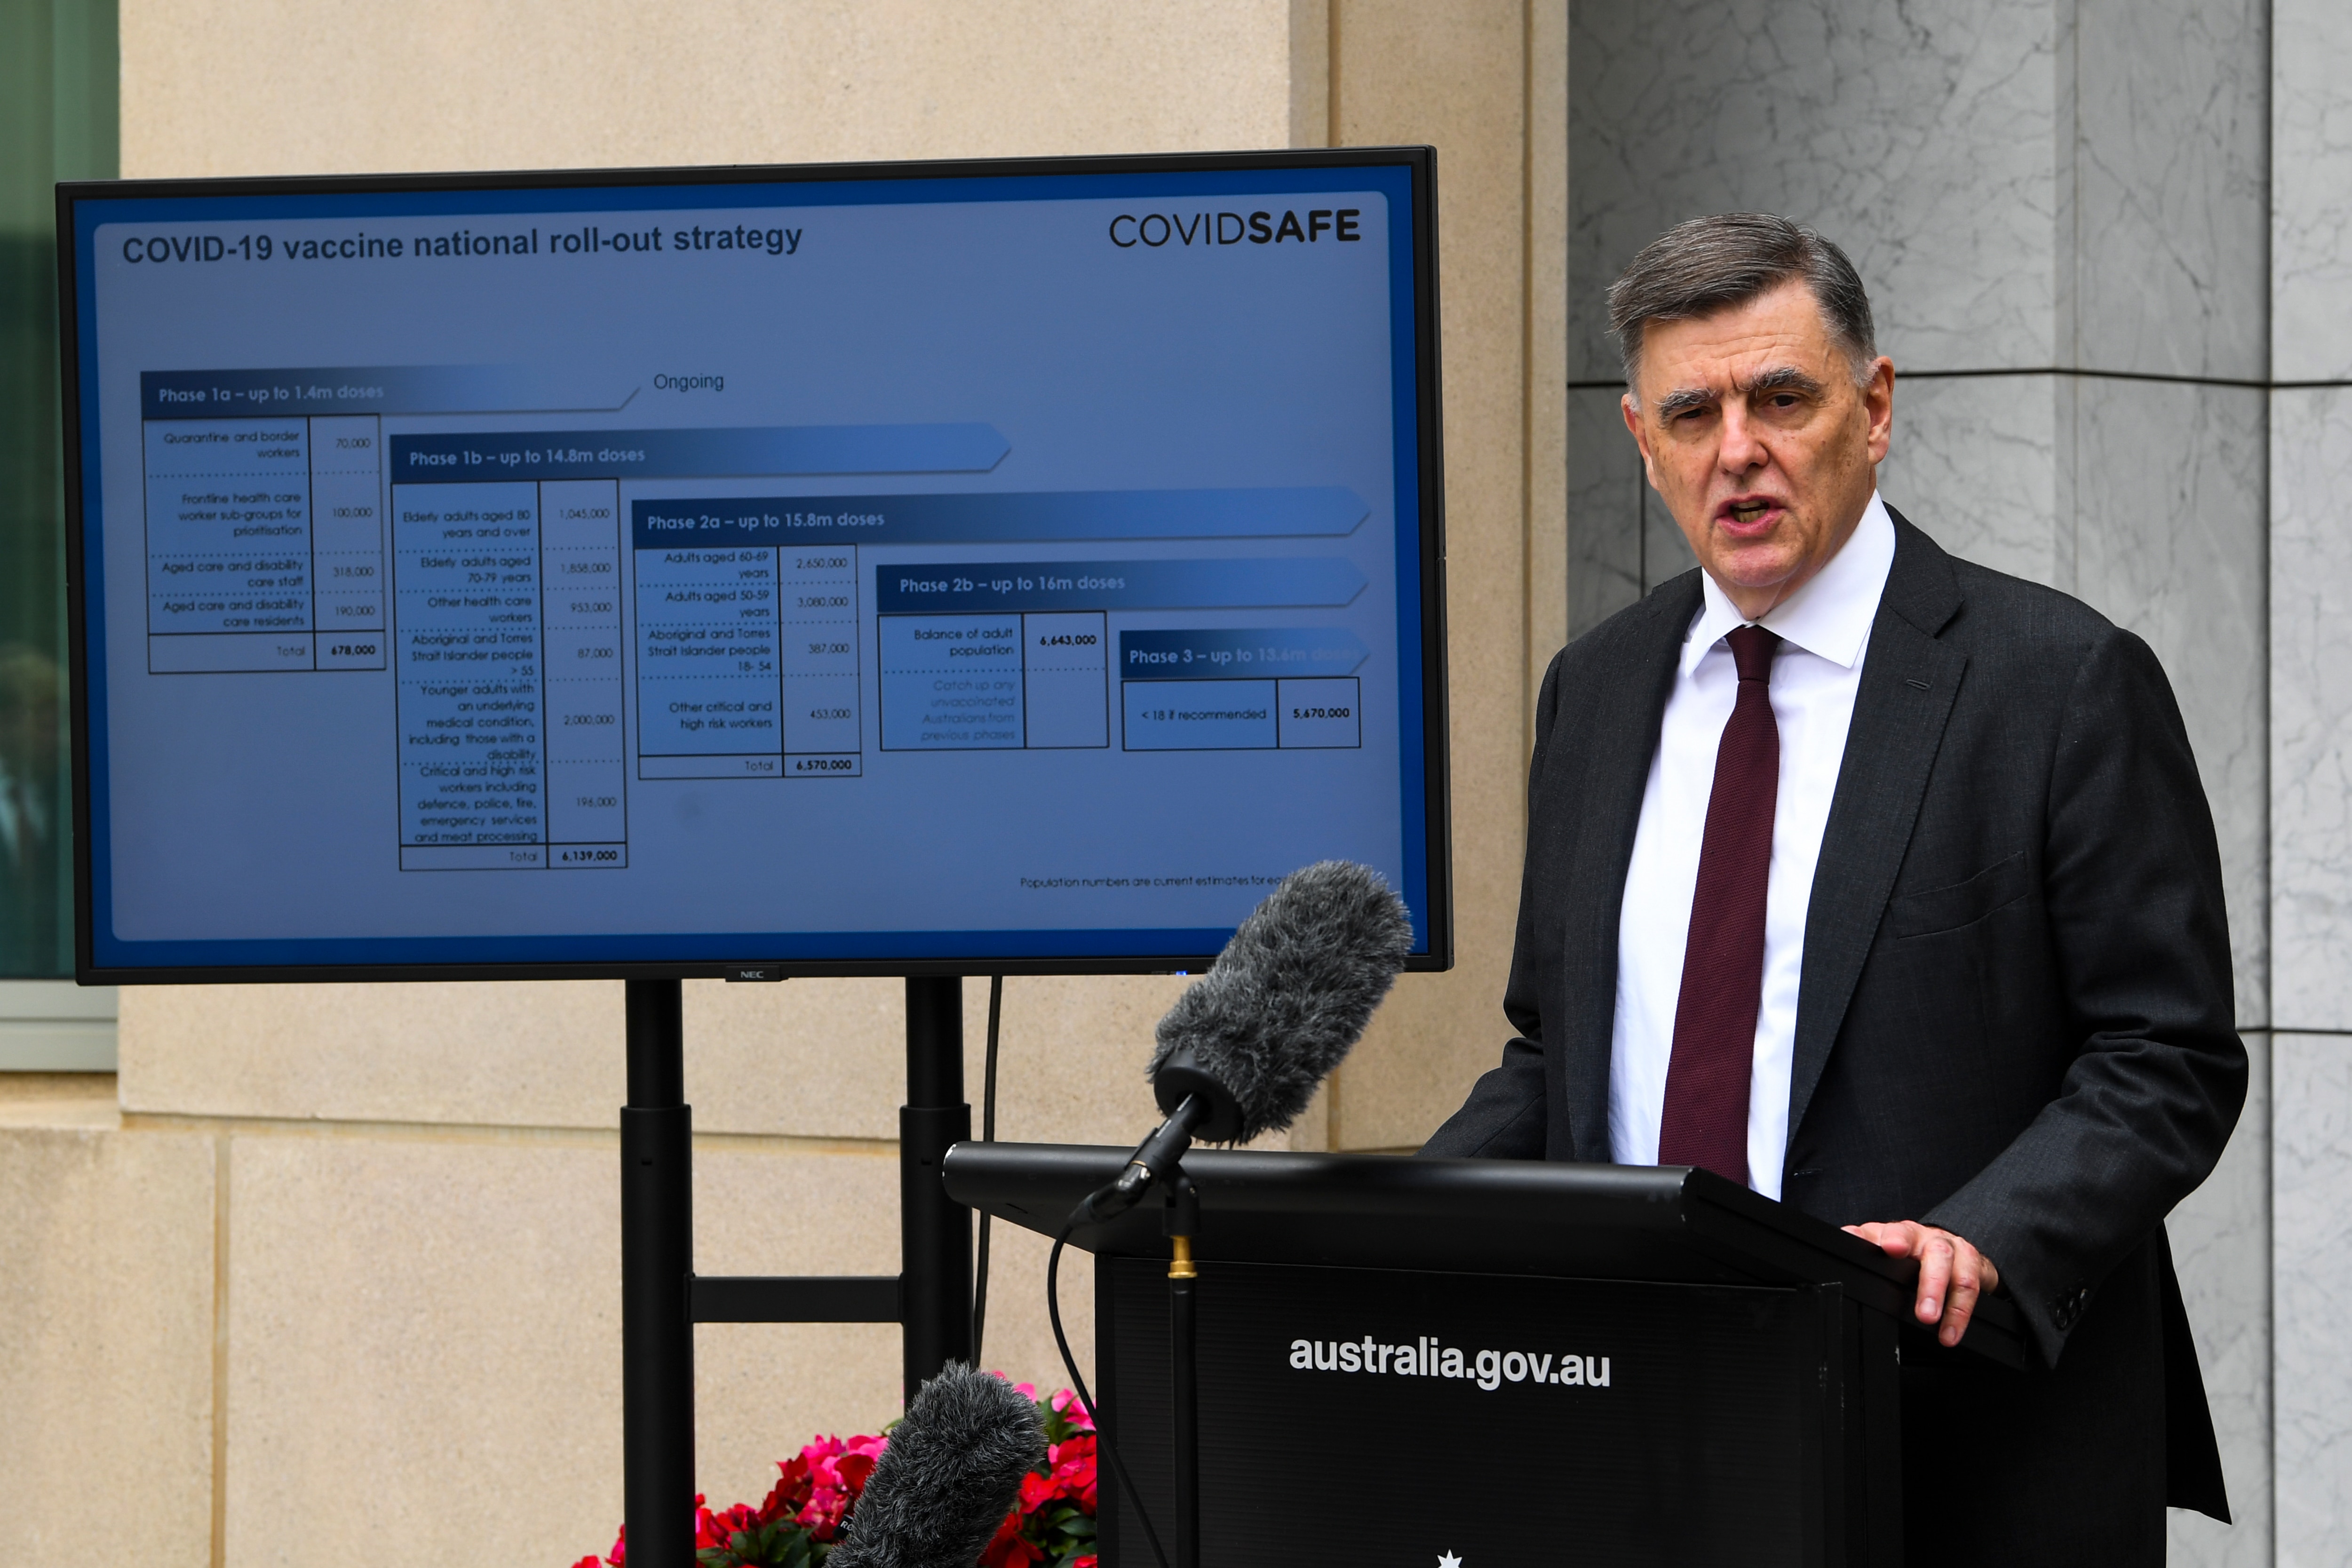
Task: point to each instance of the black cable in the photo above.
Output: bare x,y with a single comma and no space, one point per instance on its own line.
1078,1385
987,1135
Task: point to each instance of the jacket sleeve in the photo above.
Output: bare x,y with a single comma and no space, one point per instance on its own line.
1506,1116
2132,882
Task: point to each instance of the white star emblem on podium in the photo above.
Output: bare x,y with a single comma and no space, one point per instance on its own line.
1447,1560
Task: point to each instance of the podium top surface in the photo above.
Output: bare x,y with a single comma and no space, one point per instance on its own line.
1660,1223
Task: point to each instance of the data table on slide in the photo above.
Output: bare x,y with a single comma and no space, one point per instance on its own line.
265,545
511,690
546,652
982,682
747,662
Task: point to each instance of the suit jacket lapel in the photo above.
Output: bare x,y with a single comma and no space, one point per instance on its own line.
1908,682
1613,754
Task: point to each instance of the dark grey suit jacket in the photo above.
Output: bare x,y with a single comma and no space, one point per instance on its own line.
2015,1017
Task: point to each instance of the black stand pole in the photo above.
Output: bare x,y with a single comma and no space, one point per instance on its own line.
657,1266
935,1260
661,1301
1183,1284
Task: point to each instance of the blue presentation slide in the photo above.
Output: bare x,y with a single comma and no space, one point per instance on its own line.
944,569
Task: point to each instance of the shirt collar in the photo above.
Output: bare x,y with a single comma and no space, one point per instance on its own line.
1829,616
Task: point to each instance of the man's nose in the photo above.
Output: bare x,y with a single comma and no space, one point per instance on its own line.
1741,450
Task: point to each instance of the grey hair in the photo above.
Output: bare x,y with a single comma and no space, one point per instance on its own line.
1708,264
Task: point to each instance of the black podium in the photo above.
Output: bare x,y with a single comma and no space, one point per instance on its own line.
1496,1362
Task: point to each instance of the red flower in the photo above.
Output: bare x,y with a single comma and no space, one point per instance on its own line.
854,1468
720,1529
1006,1548
817,1489
791,1492
1037,1490
1074,1470
833,1476
1070,1408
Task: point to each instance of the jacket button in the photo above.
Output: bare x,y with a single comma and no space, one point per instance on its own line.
2062,1312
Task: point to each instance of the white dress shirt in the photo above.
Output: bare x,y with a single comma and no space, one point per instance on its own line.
1825,628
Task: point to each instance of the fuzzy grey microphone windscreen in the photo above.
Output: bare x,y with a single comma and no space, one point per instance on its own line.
951,1473
1293,990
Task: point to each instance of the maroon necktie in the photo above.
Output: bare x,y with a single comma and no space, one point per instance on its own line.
1706,1119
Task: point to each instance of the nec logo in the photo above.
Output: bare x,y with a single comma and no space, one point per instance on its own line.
1156,229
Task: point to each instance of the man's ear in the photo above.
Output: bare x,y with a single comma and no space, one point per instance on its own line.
1878,400
1641,437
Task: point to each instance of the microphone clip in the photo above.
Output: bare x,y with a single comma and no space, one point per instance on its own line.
1155,1159
1197,1105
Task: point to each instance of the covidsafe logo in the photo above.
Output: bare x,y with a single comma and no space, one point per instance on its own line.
1207,229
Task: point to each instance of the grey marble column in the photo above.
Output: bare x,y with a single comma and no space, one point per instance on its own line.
2311,772
2061,210
2311,752
2311,1177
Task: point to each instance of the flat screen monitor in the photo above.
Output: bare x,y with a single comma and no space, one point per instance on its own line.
863,569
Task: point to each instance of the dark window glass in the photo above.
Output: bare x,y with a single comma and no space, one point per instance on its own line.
59,71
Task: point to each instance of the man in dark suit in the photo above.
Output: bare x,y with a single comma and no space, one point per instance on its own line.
1884,884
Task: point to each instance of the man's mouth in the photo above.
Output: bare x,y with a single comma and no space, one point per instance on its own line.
1749,511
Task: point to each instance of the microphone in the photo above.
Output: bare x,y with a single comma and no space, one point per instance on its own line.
1241,1052
951,1473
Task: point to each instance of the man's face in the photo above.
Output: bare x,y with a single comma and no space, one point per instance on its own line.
1754,435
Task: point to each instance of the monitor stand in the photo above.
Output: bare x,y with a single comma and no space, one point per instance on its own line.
662,1297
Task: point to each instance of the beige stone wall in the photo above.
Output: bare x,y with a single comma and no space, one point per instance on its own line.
106,1336
339,1283
303,87
1486,84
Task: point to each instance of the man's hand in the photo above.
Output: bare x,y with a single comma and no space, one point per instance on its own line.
1952,1274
